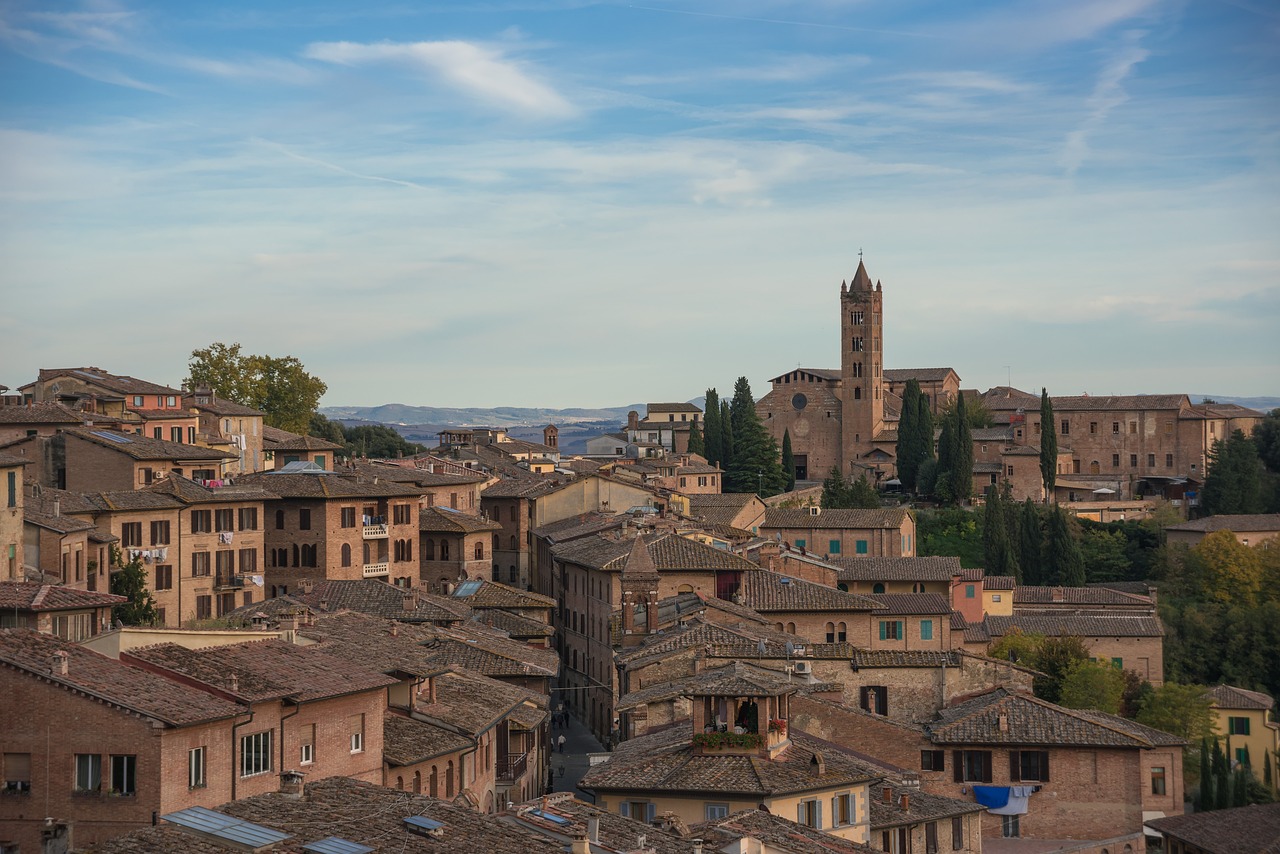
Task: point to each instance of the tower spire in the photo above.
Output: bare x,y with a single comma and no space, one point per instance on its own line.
861,281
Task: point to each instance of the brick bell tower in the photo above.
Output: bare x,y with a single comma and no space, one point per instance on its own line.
861,366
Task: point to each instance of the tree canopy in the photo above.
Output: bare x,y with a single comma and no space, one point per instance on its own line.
1234,483
130,580
1048,445
755,465
840,493
279,386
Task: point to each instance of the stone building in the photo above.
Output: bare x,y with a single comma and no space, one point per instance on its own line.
843,533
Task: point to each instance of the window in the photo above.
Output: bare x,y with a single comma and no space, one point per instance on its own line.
857,369
248,518
972,766
858,345
346,554
1242,756
88,772
131,534
1157,781
874,699
1168,461
357,733
348,517
400,514
809,813
137,400
842,632
226,561
1133,427
715,811
1115,461
1115,426
855,317
159,533
1117,663
860,547
833,547
639,810
1009,827
255,754
195,768
248,561
304,519
931,838
969,591
309,556
124,775
957,833
1029,766
1151,460
199,564
479,551
13,489
201,521
878,587
1133,461
279,520
932,760
162,577
831,632
1066,427
1237,726
204,607
307,745
800,544
842,810
17,773
926,630
1093,427
891,630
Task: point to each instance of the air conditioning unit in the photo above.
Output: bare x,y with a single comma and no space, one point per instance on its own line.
803,667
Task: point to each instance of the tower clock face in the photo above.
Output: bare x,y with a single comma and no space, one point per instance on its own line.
799,401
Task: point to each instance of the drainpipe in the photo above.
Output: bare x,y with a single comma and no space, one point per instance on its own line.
297,707
235,772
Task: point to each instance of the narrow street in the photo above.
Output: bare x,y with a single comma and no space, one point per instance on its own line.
568,768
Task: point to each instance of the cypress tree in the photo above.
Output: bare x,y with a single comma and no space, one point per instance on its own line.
788,461
1221,778
997,550
696,445
742,407
755,466
1030,545
908,447
1266,772
1063,562
711,435
726,440
962,454
835,491
1207,799
946,452
1048,445
924,431
1240,786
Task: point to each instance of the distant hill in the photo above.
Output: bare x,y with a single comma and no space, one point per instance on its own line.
399,414
1262,404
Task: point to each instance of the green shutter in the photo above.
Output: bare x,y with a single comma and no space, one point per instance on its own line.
834,547
926,630
882,627
862,547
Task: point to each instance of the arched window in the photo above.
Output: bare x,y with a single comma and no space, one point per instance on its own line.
791,628
429,549
514,546
367,552
296,556
842,586
346,554
417,782
685,588
479,550
831,632
918,587
842,632
857,393
408,549
1094,467
448,780
513,575
279,520
444,549
497,544
497,572
781,628
309,555
434,782
878,587
400,783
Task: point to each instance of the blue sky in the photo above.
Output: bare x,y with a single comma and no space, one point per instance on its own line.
573,203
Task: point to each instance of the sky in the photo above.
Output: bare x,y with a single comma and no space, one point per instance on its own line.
587,204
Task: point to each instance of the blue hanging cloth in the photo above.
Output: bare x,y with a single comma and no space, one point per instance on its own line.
992,797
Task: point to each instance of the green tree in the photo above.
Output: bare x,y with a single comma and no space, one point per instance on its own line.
1266,438
946,460
835,490
1221,777
1056,658
863,495
788,462
997,549
1048,446
1016,645
1030,544
950,531
1182,710
1232,570
1267,779
923,434
1207,799
322,428
726,438
1104,555
909,446
756,465
927,477
1093,686
379,442
696,445
278,385
711,436
130,580
1234,481
1063,563
962,455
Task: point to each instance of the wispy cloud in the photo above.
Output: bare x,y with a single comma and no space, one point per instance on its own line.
333,167
1037,25
979,81
1108,93
480,71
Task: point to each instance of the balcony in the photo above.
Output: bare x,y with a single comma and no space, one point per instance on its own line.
228,581
374,570
512,768
375,532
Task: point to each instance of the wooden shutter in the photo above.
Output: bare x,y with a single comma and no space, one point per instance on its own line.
863,699
1015,767
957,762
986,766
1044,766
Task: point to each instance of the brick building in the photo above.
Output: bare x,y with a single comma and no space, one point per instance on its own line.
1248,529
454,546
280,448
1128,642
843,533
145,408
229,426
64,612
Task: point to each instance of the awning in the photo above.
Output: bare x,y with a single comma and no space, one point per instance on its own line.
1104,491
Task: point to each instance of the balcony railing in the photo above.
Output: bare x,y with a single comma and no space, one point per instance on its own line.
373,570
375,532
225,580
512,768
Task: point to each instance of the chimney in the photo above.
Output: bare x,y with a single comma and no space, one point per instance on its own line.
431,690
57,506
1002,721
291,784
407,602
235,683
1058,594
593,830
395,629
58,663
697,846
633,420
904,802
888,794
306,586
580,844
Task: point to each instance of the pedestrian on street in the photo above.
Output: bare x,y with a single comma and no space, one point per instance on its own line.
560,742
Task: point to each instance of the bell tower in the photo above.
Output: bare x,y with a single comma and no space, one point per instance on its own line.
861,366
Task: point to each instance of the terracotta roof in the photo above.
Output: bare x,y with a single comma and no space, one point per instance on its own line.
897,568
491,594
161,414
1231,697
999,582
778,833
921,807
263,670
1244,523
367,596
7,460
720,509
698,633
189,492
119,383
776,517
275,439
221,406
905,658
578,526
516,626
770,591
407,740
735,679
449,521
669,552
325,485
363,813
119,684
1065,625
901,375
141,447
1032,721
46,412
60,524
911,604
129,499
28,596
561,816
473,703
494,656
1095,596
1123,402
529,486
393,470
672,407
824,373
665,761
1254,829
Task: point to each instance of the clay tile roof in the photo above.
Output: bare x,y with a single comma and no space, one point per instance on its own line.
1209,524
141,447
275,439
189,492
905,658
493,656
472,702
513,624
1126,402
1097,596
780,834
363,813
578,526
672,407
1254,829
119,383
699,633
7,460
325,484
921,807
47,412
119,684
492,594
1032,721
1066,625
897,568
736,679
911,604
769,591
221,406
130,499
407,741
528,486
450,521
667,551
1231,697
999,582
615,832
664,761
60,524
264,670
29,596
777,517
376,598
901,375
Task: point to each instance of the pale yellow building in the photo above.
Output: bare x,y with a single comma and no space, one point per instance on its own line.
1246,720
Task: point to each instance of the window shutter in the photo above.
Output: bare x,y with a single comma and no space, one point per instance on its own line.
625,809
986,766
957,765
817,806
800,813
1015,770
882,700
863,700
1044,766
650,812
882,628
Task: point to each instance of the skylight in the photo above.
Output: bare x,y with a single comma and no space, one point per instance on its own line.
213,823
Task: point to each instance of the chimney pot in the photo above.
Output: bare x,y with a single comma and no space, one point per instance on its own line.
887,795
58,663
1002,721
905,802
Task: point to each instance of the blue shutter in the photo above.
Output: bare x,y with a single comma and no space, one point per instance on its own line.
625,809
650,812
817,806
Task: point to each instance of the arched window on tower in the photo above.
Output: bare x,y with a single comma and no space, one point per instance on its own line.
346,554
857,392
